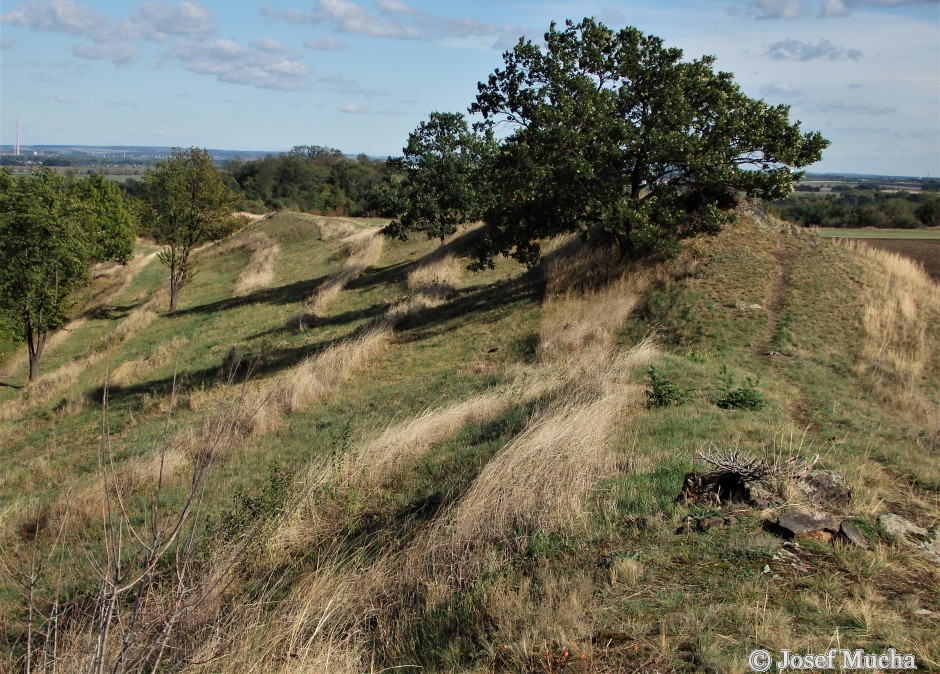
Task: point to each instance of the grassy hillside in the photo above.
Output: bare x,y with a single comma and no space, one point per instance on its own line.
348,454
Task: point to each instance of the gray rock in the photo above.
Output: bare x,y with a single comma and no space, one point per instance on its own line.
801,524
827,486
898,527
906,532
854,535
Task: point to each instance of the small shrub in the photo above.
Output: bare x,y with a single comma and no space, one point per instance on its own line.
664,393
731,397
248,510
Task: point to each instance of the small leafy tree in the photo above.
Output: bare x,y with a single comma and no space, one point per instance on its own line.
49,235
113,227
188,204
613,130
442,187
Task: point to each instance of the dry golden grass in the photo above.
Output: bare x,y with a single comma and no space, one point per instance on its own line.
402,443
323,373
437,278
900,321
259,270
365,249
135,370
314,629
541,477
142,316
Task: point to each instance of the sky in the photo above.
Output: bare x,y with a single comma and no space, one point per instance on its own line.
359,75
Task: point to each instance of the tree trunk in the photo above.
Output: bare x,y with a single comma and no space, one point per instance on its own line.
173,292
33,367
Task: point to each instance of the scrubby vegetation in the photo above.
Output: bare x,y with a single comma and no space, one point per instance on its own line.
459,471
344,452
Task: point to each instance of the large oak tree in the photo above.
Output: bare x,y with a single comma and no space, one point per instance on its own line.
612,130
442,187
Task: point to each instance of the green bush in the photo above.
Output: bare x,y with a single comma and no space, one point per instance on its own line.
664,393
731,397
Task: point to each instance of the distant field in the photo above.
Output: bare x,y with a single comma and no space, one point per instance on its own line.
835,232
922,245
925,251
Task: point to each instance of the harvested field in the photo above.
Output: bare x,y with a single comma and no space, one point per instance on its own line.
925,251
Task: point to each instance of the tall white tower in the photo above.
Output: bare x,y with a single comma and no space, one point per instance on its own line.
17,150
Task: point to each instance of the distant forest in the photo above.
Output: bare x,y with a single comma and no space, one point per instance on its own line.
314,179
862,206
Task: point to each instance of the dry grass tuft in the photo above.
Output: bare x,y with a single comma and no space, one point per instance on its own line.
541,477
438,278
900,321
259,270
135,370
323,373
365,249
403,443
314,630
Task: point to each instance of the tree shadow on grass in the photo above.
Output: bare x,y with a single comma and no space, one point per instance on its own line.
235,368
468,304
291,293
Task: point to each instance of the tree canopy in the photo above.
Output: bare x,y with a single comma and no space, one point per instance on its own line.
442,187
188,204
613,130
112,226
50,232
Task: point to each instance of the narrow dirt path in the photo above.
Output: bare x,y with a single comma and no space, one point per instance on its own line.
777,301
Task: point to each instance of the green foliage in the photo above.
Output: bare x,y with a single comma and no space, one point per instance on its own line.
188,204
613,130
112,225
248,510
848,208
664,393
314,178
442,187
731,397
50,232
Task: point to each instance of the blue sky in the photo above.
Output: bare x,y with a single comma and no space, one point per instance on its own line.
359,75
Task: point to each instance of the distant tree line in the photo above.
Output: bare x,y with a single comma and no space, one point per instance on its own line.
312,178
864,206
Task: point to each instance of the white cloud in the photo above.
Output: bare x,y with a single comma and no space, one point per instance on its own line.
792,9
324,44
158,20
237,64
6,42
65,101
780,90
797,50
270,46
777,9
395,7
353,108
119,53
394,19
61,16
348,17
